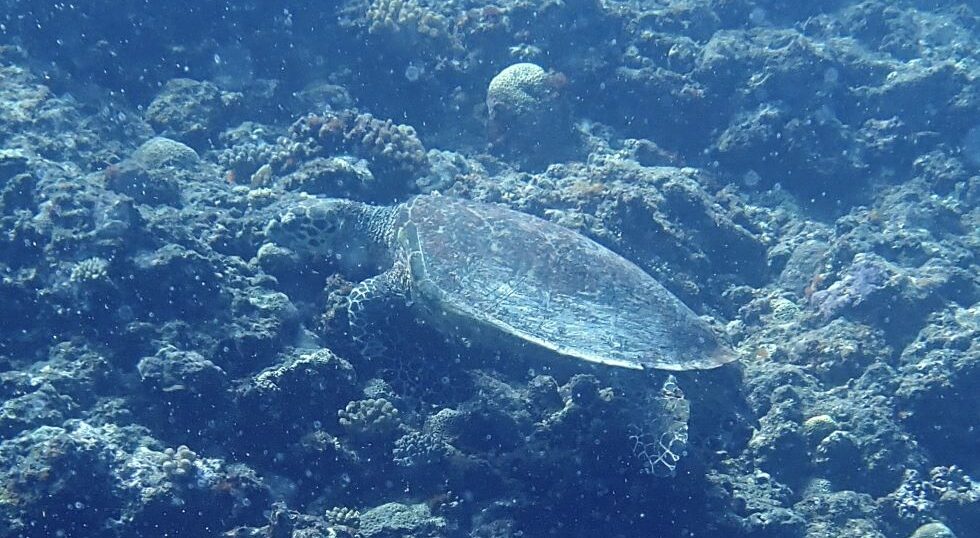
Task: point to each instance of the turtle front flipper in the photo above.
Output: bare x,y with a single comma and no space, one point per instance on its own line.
371,307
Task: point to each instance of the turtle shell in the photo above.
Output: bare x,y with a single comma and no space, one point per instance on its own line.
550,286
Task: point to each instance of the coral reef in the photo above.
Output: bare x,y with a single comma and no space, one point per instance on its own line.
394,155
806,175
395,519
191,111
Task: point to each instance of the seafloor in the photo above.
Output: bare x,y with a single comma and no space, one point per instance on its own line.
804,174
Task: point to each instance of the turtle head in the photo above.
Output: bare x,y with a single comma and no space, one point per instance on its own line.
329,232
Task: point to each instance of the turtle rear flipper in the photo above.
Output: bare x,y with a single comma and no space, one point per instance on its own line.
661,439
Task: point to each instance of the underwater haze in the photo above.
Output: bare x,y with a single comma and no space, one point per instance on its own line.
464,269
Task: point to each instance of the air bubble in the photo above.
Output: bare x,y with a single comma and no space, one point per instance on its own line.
413,72
971,146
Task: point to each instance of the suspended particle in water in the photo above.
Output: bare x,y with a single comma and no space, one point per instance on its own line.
830,76
971,146
413,72
758,17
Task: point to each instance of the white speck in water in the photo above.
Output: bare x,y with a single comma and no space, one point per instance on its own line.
971,146
831,76
825,114
413,72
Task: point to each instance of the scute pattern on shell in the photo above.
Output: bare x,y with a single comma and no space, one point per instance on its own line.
550,286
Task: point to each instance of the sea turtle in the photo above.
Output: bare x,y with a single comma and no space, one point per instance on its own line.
478,268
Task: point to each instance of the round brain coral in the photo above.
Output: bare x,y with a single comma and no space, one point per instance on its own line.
526,110
518,89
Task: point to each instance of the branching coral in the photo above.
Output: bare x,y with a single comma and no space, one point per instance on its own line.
405,16
393,152
372,417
